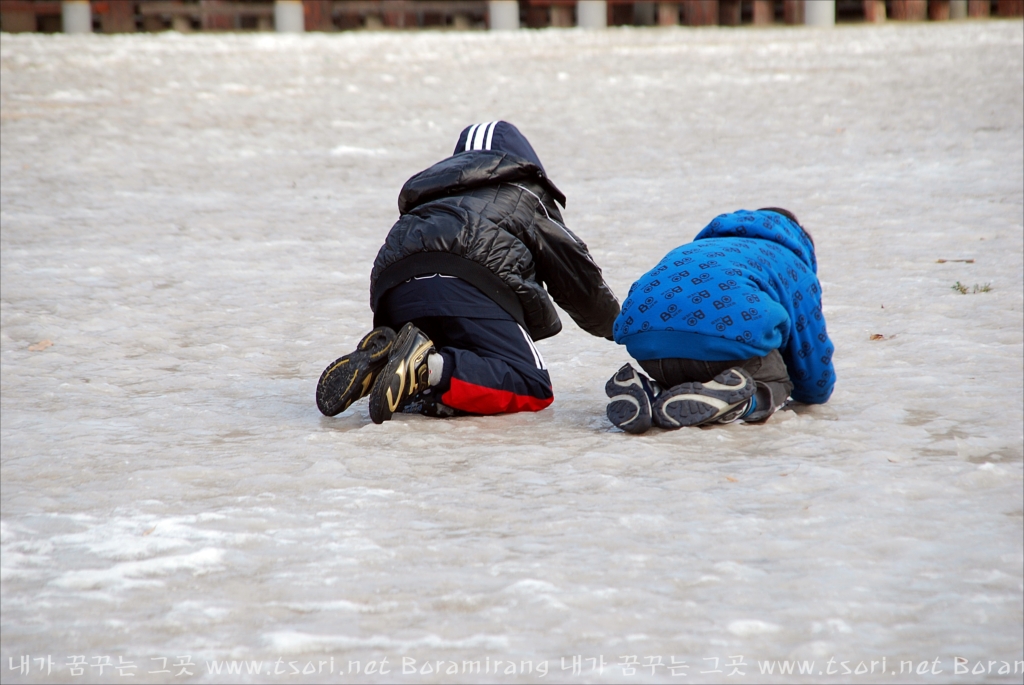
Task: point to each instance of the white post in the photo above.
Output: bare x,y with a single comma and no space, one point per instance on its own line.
820,13
76,16
288,16
504,14
957,9
592,14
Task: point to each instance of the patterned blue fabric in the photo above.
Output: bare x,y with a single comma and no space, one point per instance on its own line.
747,285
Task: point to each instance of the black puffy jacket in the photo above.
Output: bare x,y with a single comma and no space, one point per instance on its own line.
490,218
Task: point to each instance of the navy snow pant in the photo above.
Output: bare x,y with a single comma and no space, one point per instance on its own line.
491,366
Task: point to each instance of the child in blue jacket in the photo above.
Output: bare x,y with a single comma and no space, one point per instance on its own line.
728,327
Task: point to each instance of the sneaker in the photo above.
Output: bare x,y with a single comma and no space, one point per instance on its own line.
404,376
351,377
631,394
428,405
694,404
739,412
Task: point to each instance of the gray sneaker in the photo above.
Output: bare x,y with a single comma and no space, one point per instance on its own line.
631,394
695,404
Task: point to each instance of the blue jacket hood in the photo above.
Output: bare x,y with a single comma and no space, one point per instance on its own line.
764,225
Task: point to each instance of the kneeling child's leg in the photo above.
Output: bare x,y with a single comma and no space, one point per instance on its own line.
491,366
773,385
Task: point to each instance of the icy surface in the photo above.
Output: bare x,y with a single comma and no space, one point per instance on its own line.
191,222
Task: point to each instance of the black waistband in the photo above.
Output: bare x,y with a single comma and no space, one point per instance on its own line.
480,276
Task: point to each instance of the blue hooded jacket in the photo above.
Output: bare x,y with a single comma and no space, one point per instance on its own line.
747,285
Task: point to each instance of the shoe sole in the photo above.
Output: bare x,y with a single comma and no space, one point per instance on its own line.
630,407
350,378
694,404
385,400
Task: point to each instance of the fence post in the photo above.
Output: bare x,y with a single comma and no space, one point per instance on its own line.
503,15
1010,8
793,11
938,10
668,14
592,14
213,17
764,12
700,12
76,16
820,13
874,11
317,15
644,14
978,8
730,13
910,10
119,17
560,15
289,17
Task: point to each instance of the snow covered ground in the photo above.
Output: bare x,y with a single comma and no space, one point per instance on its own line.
191,220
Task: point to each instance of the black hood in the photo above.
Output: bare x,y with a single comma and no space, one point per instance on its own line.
468,170
497,135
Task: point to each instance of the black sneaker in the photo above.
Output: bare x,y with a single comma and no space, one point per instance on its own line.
428,405
404,376
631,394
352,376
694,404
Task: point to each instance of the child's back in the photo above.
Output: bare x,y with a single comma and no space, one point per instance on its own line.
745,286
466,276
743,293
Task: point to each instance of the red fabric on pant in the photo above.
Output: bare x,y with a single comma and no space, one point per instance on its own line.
480,400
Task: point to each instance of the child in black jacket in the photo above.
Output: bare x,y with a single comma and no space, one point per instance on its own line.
462,277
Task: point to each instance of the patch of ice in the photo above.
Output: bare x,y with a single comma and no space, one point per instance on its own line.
748,627
295,642
124,575
341,150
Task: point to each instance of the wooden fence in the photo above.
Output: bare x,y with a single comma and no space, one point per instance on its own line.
124,16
